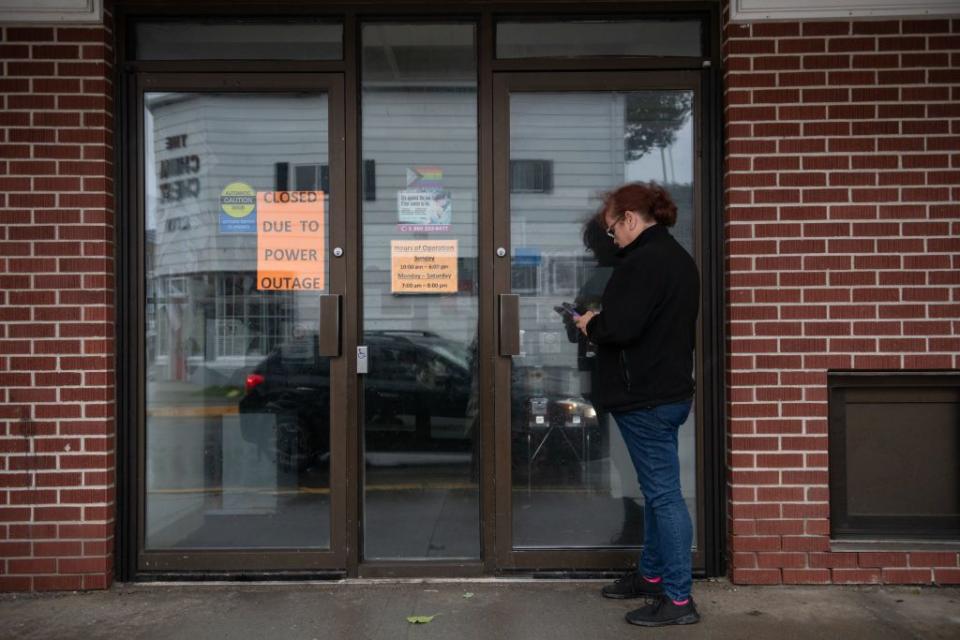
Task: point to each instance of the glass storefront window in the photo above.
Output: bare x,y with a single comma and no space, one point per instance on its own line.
246,40
420,313
585,38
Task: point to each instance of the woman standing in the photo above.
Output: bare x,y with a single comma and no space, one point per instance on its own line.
645,334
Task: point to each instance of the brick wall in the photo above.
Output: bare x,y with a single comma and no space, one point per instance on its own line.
842,241
56,308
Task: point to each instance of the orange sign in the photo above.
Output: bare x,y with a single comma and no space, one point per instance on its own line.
423,266
290,250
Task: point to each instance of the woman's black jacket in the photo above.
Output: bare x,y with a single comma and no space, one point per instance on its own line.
645,333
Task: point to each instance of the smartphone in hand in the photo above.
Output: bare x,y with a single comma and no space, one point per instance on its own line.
568,308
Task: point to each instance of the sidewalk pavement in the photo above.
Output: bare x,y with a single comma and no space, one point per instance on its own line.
464,610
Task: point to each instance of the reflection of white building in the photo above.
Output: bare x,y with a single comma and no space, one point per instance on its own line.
566,149
208,312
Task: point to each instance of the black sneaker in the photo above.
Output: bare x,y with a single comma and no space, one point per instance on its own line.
632,585
664,612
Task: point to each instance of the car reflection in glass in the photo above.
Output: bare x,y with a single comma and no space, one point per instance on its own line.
418,399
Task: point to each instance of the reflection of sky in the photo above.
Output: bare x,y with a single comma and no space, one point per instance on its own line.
150,172
673,165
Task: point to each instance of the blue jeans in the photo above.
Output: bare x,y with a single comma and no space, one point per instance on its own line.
651,439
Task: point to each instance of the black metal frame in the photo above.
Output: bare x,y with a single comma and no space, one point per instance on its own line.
912,387
484,14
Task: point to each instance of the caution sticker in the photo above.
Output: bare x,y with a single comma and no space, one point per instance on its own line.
238,208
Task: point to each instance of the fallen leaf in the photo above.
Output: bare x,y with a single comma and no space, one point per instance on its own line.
419,619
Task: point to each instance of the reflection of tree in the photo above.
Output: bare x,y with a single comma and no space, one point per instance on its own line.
653,119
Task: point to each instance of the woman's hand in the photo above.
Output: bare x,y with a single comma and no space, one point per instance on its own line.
583,320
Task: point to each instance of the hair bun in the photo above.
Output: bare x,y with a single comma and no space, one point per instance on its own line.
662,207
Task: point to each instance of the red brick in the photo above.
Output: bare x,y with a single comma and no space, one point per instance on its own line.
940,576
826,28
13,52
58,583
755,477
927,362
944,42
15,583
806,576
751,47
32,566
780,560
882,559
57,549
83,565
755,543
907,576
856,576
926,26
832,560
933,559
101,581
943,76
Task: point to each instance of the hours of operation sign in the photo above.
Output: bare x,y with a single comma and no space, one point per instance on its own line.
423,266
290,247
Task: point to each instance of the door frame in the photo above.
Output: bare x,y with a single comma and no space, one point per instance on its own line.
485,13
159,563
573,559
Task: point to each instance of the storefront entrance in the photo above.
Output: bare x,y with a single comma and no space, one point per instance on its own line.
345,253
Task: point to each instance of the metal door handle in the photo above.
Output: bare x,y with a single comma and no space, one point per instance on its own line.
329,329
509,324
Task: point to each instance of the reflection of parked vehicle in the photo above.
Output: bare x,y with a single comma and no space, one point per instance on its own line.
416,398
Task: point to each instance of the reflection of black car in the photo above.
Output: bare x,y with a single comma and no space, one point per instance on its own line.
417,397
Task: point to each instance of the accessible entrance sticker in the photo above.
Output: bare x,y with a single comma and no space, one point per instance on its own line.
291,254
423,266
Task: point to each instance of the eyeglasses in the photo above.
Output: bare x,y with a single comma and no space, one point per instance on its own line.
610,229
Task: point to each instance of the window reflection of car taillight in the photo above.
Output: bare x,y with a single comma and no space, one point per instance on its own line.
253,380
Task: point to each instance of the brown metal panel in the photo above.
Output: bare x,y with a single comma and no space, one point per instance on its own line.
339,404
488,451
930,397
351,308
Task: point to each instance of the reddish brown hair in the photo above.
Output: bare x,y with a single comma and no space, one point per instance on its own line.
646,198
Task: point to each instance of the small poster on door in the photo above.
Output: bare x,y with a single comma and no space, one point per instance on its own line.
424,210
423,266
290,241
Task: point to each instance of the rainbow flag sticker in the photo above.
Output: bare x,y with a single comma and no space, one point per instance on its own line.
424,177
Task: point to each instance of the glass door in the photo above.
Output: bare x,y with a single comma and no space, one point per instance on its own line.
566,492
419,212
242,454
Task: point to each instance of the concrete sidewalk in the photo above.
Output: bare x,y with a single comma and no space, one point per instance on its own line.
464,610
